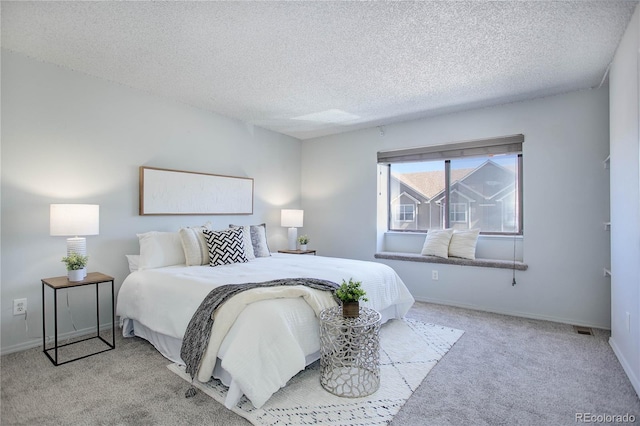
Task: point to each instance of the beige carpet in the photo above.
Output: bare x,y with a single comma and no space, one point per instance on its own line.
504,370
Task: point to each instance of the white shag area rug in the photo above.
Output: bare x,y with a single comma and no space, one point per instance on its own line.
409,349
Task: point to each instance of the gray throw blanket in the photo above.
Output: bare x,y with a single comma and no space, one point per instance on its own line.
198,333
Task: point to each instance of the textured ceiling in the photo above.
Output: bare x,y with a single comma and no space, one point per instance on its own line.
316,68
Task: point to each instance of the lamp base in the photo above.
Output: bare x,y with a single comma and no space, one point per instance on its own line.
293,238
78,245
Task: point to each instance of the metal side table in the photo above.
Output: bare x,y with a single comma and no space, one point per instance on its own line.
350,352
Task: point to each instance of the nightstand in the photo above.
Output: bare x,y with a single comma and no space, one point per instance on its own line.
313,252
59,283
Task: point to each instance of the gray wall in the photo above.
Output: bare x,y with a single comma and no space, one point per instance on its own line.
68,137
566,201
625,203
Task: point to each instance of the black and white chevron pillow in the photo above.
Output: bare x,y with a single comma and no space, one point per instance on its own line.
225,247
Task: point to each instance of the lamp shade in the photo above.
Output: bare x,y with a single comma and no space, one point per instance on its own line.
74,219
291,218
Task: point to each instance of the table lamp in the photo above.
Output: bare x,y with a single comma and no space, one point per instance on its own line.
73,220
292,219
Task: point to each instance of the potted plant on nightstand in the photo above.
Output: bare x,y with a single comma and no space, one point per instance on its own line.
303,240
350,293
75,266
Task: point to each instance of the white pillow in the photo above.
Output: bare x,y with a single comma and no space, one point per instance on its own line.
437,243
246,238
463,243
133,260
194,244
158,249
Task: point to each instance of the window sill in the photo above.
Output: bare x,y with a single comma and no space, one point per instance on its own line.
485,263
423,234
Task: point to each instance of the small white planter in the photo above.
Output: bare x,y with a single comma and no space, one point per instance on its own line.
75,275
303,247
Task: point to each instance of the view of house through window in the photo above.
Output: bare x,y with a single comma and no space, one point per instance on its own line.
464,193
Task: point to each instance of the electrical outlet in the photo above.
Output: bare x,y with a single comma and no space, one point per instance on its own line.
19,306
434,275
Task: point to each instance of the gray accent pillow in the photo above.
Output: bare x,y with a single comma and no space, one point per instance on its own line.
259,240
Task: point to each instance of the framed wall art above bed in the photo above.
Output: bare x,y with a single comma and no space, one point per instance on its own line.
177,192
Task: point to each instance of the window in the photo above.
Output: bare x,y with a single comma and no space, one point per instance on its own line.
458,213
462,186
406,213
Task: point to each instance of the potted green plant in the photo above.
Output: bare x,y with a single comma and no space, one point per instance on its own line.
303,240
350,293
75,266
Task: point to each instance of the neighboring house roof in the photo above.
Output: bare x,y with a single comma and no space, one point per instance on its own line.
477,181
406,194
469,199
431,183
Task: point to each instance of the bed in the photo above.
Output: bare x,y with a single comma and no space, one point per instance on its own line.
271,339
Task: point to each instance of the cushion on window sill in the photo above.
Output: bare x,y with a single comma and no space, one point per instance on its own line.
486,263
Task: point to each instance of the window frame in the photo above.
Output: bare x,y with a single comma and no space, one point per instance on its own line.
510,145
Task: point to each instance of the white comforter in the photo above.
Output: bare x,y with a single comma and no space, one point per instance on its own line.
269,340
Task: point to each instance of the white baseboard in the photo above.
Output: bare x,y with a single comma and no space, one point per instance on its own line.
513,313
37,342
635,382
